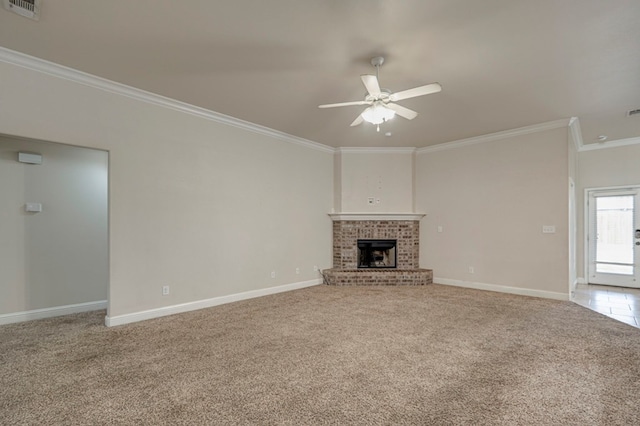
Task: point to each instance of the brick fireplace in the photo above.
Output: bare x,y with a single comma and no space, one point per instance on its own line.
348,229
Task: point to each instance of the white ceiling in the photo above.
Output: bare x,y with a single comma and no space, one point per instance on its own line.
503,64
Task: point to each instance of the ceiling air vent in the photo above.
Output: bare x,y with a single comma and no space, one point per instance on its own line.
633,112
27,8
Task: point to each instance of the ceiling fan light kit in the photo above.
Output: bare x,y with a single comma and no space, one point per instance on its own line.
378,114
381,102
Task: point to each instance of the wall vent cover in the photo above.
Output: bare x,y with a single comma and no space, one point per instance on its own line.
633,112
27,8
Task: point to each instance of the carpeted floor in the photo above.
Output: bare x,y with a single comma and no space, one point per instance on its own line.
329,355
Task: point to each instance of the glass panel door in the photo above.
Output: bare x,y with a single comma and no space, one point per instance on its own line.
613,241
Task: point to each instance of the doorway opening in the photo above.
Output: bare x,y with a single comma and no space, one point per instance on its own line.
613,236
54,255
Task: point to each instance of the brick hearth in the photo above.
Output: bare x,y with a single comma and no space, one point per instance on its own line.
381,277
346,234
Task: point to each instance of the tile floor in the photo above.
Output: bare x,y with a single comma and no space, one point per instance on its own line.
619,303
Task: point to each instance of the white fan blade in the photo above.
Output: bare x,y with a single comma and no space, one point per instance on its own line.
407,113
357,121
416,91
371,83
344,104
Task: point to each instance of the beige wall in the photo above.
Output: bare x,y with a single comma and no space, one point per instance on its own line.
204,207
388,177
59,256
13,271
337,182
211,209
492,200
603,168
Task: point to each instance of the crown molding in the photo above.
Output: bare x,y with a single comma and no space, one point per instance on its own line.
576,133
611,144
60,71
550,125
375,150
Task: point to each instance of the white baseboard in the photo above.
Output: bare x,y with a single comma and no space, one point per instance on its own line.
51,312
503,289
206,303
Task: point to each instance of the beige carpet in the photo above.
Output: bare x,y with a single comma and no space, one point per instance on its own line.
329,355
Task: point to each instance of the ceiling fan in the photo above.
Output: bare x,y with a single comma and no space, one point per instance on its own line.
381,106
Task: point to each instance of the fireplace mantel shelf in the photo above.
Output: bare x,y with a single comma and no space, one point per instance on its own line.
376,216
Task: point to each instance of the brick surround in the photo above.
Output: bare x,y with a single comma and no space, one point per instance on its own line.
346,234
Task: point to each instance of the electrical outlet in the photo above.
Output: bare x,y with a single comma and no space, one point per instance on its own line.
471,270
273,274
315,268
297,271
440,228
165,290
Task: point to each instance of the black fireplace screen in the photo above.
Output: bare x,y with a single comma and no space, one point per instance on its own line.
376,253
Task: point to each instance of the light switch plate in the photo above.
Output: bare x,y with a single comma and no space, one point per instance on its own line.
548,229
33,207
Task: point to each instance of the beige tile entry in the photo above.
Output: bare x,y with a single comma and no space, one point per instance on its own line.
619,303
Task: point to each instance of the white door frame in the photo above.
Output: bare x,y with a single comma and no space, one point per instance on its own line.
585,221
573,236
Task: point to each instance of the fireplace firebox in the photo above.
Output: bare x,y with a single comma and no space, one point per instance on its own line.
377,253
